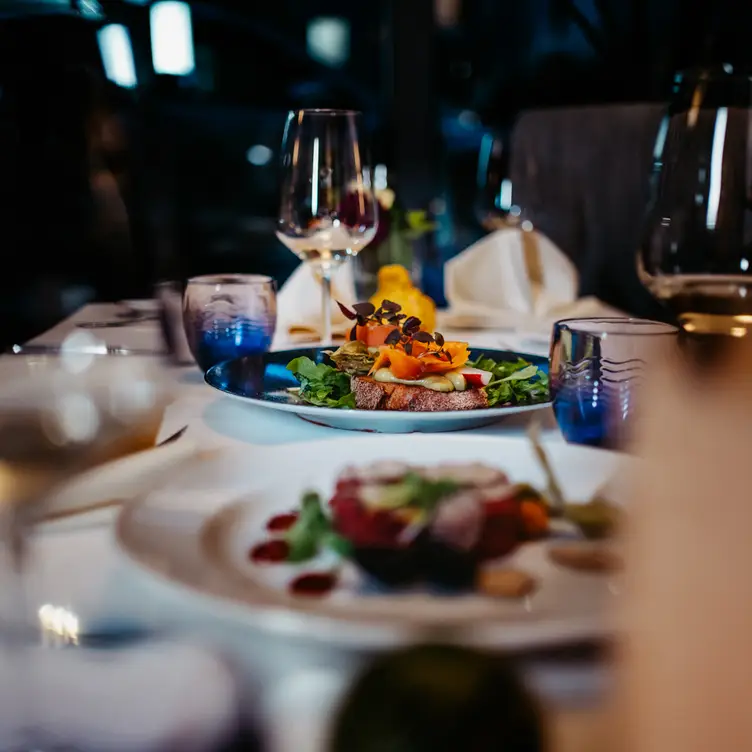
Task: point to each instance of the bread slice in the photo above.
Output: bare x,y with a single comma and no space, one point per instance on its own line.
375,395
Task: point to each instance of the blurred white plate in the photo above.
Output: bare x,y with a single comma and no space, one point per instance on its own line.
197,534
121,480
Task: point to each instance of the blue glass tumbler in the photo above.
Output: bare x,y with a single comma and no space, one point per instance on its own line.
597,368
228,316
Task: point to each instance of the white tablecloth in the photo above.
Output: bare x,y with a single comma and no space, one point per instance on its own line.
77,566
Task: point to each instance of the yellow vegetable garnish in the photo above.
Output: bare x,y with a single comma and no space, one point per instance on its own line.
395,285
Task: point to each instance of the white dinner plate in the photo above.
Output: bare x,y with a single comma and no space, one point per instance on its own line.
197,535
263,380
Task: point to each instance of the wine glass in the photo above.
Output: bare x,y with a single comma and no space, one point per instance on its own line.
59,417
696,249
328,211
494,205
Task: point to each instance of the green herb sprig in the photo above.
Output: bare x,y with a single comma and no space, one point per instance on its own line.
518,381
321,384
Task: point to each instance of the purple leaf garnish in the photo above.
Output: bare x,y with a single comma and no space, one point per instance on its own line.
393,338
408,348
439,338
411,324
346,312
364,309
422,337
354,333
391,306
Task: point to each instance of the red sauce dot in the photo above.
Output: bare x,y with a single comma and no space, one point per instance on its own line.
270,552
281,522
313,584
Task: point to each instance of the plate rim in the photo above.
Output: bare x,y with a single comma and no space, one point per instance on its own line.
339,629
380,416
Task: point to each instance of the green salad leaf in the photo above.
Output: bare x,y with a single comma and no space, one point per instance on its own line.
313,531
305,535
321,384
514,381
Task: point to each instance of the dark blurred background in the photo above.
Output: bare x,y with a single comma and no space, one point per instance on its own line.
139,140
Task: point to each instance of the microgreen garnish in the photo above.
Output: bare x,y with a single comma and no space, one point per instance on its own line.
363,313
410,332
388,313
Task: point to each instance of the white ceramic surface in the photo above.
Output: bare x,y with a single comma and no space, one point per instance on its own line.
197,534
382,421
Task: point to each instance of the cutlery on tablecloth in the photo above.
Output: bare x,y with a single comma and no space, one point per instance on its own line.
96,506
596,518
114,323
553,489
98,349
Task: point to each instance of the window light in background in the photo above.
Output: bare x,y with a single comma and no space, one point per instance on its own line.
328,41
171,38
117,55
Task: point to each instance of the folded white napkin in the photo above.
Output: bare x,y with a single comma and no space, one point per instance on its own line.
299,303
515,279
153,697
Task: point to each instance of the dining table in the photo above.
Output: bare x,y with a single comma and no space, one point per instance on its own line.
76,564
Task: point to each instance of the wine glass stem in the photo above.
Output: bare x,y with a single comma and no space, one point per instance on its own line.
326,304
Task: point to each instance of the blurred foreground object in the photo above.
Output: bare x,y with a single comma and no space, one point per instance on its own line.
688,612
149,697
438,698
59,417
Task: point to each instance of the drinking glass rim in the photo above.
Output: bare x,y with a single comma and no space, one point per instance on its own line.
668,330
326,111
231,278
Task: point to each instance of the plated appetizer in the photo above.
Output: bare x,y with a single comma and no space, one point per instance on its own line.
391,363
450,527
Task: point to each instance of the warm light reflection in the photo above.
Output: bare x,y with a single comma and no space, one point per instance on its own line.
58,624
